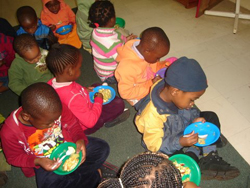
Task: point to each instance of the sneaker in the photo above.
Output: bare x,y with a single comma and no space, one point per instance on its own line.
121,118
214,167
222,141
109,170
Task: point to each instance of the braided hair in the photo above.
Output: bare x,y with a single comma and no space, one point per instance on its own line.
147,169
60,56
100,13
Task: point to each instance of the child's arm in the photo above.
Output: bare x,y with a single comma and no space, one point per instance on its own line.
127,86
47,163
8,46
16,82
14,149
151,124
81,146
88,116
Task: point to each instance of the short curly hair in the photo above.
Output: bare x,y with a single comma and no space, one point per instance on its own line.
24,42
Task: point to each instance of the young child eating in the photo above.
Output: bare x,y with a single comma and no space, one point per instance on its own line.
29,23
105,40
30,133
169,109
57,13
65,62
29,65
138,61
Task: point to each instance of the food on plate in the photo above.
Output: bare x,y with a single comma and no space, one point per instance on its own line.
72,161
106,94
64,30
184,170
201,141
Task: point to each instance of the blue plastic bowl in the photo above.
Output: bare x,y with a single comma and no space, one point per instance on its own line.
208,128
64,29
96,89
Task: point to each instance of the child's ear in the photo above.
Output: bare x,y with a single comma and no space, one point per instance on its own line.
70,70
174,91
25,116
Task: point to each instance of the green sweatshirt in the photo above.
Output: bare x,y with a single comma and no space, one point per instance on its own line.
22,74
83,30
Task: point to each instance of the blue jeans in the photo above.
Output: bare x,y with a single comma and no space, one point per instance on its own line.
85,176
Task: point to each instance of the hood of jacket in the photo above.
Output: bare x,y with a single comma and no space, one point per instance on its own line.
125,52
46,10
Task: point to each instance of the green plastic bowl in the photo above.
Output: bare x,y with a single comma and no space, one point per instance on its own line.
59,152
120,22
195,174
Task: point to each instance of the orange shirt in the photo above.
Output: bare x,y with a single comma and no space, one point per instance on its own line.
134,75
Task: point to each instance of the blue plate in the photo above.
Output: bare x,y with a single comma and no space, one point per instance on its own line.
96,89
208,128
64,29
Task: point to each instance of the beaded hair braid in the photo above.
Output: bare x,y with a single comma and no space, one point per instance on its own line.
100,13
147,170
60,56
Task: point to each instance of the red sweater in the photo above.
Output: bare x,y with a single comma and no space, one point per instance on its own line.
7,54
77,100
15,135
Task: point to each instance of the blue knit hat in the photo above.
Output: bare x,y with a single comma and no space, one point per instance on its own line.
187,75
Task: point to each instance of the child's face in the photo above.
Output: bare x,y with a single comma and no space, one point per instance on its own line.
155,55
45,121
185,100
53,6
32,55
30,25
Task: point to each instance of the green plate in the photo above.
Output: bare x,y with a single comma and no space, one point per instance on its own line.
120,22
59,152
195,174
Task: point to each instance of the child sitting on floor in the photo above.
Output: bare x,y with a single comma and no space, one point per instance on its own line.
138,61
30,133
150,170
169,109
29,65
7,54
57,13
65,61
29,23
105,40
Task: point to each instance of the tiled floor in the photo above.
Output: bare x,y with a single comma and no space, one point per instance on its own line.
224,56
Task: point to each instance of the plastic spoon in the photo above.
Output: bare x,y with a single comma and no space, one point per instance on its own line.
203,136
70,151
